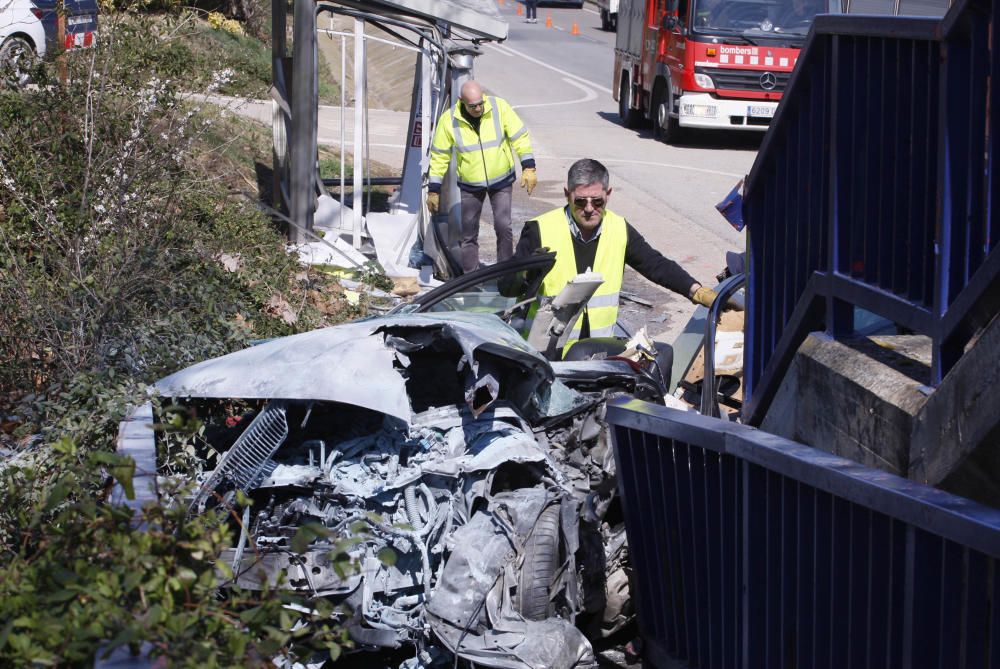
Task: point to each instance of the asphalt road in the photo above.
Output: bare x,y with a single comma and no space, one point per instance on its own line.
560,84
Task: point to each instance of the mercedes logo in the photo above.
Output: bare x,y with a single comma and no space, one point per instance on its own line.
768,81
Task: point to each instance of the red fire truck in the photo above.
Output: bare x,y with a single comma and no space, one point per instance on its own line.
707,63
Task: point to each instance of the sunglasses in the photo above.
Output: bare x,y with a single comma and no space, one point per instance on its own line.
595,202
474,105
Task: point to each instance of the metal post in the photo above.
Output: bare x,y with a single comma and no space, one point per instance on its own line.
415,163
426,107
343,125
279,47
302,186
359,126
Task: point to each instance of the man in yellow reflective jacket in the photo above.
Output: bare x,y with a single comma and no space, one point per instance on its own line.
586,234
484,132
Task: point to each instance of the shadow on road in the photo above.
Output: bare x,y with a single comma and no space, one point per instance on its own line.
699,139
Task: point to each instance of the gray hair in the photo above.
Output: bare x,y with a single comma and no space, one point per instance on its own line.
587,171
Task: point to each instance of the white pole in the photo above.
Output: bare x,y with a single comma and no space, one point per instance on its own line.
343,124
359,125
425,110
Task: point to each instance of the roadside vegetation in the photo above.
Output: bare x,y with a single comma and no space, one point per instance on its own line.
131,245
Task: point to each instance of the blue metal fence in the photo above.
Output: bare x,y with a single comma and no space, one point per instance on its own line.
752,551
873,189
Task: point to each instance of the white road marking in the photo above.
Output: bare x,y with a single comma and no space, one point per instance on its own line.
502,50
600,87
589,95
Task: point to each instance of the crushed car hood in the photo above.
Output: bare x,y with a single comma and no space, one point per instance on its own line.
361,363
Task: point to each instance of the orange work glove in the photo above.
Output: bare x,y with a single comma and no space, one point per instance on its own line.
529,179
704,296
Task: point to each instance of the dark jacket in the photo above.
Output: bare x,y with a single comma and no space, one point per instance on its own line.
639,255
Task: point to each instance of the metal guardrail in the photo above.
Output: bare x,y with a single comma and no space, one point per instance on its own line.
873,189
750,550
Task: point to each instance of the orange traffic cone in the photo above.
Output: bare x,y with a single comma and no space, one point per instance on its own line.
548,21
519,10
576,29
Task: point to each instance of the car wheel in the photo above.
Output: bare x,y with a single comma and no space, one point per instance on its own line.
629,116
541,563
16,60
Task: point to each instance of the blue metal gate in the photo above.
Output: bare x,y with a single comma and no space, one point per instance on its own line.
750,550
873,189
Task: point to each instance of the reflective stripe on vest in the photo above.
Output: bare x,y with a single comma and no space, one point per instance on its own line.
602,308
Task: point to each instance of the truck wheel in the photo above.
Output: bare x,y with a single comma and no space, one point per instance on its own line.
541,563
629,117
666,126
605,21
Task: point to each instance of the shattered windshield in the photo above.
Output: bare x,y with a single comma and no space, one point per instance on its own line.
757,18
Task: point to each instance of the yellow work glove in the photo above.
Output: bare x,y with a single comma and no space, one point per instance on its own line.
704,296
529,179
433,202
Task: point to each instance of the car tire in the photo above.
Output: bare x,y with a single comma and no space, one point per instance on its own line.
629,116
542,560
16,60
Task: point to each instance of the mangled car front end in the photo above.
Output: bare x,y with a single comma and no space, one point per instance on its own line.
444,441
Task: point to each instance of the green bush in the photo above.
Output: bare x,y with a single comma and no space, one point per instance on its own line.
118,253
126,252
77,579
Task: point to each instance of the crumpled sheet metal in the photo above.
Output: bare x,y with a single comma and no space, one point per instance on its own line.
343,363
453,449
471,612
475,332
351,363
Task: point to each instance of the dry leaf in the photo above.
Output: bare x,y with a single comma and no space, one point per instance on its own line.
279,307
231,263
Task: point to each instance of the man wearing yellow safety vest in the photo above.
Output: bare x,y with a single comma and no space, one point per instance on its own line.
484,132
586,235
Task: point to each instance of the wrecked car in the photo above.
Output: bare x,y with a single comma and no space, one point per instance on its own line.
483,467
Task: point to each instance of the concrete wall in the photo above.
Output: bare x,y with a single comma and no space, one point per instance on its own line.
867,400
840,399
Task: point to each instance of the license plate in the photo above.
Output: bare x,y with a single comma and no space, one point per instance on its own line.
766,111
77,20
